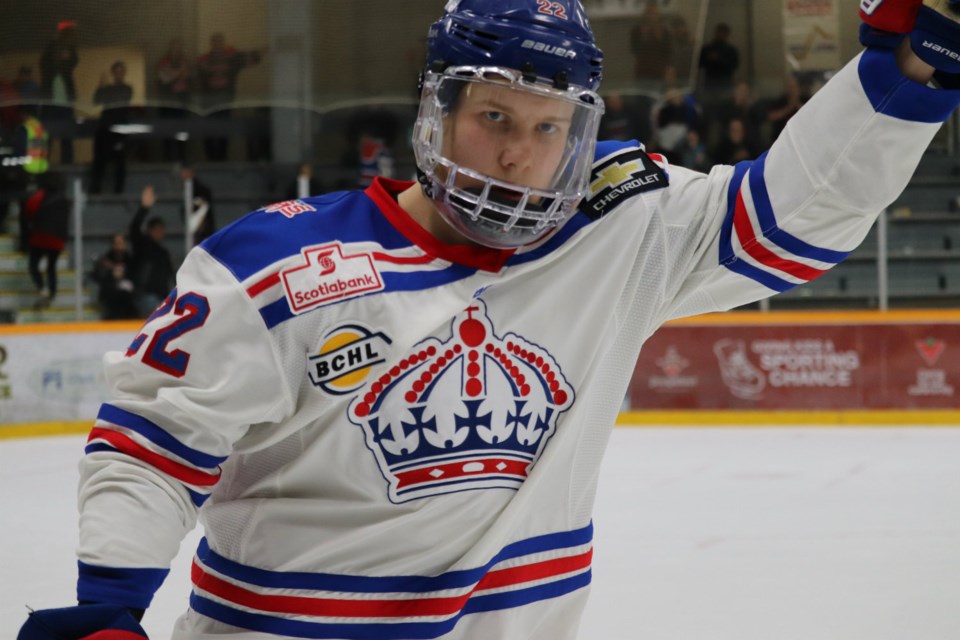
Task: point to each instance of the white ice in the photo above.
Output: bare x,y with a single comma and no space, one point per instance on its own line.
701,534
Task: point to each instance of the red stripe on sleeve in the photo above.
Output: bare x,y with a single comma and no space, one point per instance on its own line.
126,445
750,244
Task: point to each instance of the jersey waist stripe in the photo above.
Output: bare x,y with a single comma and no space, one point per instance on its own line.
379,630
559,543
401,605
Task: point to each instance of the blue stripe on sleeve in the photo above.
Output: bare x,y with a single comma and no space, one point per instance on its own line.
726,230
196,497
157,435
763,277
727,256
768,221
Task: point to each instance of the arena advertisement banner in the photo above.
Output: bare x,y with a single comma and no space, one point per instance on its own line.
811,35
800,367
54,376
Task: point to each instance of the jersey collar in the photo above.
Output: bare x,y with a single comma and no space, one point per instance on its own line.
384,191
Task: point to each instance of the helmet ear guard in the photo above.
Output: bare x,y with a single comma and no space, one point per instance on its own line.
512,45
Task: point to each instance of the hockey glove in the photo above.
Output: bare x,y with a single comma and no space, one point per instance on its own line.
83,622
886,22
936,36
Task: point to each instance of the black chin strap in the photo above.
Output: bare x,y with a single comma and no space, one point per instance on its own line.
425,183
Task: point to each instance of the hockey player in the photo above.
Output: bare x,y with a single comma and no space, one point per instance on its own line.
393,420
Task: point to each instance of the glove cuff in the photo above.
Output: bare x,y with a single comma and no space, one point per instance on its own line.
936,40
878,38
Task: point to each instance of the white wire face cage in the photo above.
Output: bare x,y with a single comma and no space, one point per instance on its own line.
505,159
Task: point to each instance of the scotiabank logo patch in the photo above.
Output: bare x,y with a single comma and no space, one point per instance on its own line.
329,275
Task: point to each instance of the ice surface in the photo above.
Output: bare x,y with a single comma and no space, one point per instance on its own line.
701,534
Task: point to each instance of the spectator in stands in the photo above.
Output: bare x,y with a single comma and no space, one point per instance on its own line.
153,272
734,147
109,145
719,61
620,121
692,154
29,90
371,134
677,115
742,105
652,46
47,218
200,222
175,78
112,272
784,107
57,64
218,70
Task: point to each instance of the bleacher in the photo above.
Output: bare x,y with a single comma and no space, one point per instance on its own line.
238,188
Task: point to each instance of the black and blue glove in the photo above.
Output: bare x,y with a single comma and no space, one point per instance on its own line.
83,622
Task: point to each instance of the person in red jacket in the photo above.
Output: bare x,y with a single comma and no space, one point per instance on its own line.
48,219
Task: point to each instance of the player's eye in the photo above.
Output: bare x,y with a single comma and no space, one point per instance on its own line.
547,127
495,116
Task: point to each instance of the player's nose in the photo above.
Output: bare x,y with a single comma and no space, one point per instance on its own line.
517,154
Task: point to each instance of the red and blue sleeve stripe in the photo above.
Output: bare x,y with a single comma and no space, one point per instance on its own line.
133,435
752,243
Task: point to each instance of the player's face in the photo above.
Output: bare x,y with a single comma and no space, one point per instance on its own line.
507,134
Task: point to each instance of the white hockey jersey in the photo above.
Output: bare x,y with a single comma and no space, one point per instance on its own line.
395,438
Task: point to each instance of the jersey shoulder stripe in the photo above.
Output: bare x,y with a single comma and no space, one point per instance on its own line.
276,232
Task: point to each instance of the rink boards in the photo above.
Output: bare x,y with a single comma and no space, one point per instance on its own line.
811,368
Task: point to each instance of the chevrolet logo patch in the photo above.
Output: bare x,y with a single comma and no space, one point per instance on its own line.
618,177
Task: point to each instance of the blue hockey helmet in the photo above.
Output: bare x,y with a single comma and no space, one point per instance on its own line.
551,39
529,70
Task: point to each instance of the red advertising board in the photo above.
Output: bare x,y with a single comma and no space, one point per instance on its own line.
800,366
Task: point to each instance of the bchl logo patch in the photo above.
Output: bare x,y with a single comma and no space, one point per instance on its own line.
620,176
345,358
289,208
474,411
329,276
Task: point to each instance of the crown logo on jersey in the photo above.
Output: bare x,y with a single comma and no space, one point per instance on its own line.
472,412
